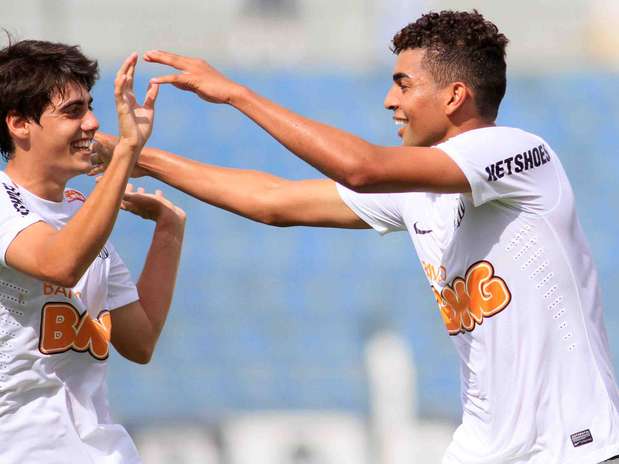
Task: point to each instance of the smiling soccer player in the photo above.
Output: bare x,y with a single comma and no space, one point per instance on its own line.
491,214
65,294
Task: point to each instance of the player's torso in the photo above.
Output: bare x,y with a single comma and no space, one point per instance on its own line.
518,294
51,335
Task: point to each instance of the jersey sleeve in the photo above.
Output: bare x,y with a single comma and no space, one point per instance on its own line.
15,215
381,211
121,289
506,164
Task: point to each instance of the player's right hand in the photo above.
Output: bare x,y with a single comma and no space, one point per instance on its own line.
196,76
135,122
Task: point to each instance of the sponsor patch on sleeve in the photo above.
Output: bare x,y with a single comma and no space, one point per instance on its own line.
16,199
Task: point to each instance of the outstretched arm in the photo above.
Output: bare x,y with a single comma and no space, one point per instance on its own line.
62,256
255,195
348,159
137,326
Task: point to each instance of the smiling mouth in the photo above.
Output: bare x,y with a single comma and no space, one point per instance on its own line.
83,144
401,125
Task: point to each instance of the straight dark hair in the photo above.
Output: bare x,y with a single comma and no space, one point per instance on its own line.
32,72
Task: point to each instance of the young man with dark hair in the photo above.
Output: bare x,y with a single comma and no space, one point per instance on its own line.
65,294
491,215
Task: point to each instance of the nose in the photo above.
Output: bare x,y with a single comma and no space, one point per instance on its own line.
391,100
90,123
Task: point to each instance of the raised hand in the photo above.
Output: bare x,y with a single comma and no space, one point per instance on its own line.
154,207
135,122
196,76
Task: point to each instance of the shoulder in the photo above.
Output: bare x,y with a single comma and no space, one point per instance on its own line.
11,199
497,145
493,137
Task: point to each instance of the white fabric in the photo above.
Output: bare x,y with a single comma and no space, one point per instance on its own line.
53,349
517,290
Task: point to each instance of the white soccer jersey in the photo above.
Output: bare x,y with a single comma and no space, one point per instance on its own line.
54,342
517,290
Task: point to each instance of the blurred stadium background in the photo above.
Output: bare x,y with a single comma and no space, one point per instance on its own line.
307,346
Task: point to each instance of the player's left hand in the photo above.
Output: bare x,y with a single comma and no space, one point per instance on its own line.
152,206
196,76
135,121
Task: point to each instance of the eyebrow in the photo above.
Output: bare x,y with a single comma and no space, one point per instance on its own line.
77,101
399,76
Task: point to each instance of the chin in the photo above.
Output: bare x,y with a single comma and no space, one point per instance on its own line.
81,168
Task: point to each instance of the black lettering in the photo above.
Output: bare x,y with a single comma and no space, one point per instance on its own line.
499,169
508,162
491,174
536,158
518,163
545,154
16,200
528,160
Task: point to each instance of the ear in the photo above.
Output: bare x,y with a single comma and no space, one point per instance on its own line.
18,125
457,93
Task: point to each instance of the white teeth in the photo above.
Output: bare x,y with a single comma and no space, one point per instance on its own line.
399,122
83,144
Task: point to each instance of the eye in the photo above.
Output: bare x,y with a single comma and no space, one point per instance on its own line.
76,111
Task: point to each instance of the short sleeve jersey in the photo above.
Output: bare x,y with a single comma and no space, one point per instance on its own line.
517,290
54,342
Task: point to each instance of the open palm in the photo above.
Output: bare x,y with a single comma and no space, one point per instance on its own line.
135,121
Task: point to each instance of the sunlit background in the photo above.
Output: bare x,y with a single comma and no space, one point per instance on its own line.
317,346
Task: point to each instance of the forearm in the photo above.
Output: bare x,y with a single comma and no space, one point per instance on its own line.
236,190
73,248
339,155
158,278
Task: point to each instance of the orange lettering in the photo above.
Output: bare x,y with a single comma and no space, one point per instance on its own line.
489,294
434,274
48,289
466,302
447,313
63,329
94,335
57,328
61,291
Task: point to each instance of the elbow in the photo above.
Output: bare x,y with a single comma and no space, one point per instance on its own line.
140,355
142,359
271,209
63,276
358,182
276,219
360,172
359,178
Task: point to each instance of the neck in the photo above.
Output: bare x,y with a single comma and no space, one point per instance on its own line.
467,125
35,178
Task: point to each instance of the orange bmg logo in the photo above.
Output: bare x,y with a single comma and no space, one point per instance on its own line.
465,302
63,329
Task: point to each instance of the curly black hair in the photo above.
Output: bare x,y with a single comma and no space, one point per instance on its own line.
461,46
32,72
